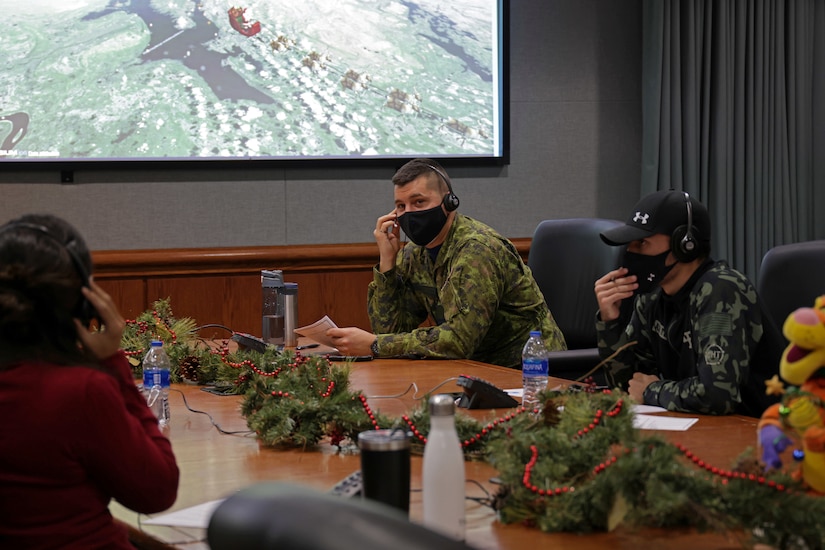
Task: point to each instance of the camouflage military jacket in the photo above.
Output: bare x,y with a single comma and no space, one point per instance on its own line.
480,297
705,343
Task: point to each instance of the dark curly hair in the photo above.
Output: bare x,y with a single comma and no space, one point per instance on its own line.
43,263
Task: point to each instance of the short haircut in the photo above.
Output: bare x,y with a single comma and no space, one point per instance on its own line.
417,167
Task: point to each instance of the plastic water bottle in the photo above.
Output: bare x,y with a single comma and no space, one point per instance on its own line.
443,471
156,381
534,370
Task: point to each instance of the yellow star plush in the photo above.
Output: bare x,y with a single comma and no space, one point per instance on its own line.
774,386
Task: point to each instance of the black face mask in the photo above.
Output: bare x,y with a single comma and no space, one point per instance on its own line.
649,270
422,226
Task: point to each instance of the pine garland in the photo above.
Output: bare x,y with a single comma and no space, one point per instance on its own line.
557,477
579,466
159,324
306,402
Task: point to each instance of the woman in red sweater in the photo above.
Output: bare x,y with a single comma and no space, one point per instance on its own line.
76,431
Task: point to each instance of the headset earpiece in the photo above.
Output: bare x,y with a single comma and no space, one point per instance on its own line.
450,200
85,310
683,243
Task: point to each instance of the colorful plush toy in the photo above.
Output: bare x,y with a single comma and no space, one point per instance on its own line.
800,417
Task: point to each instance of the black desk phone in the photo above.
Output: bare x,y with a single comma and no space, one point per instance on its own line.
480,394
247,341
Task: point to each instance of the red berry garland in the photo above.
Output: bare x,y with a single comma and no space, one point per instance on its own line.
597,419
725,474
144,327
223,352
467,442
729,474
368,410
423,439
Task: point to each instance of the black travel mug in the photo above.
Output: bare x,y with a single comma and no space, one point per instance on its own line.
385,467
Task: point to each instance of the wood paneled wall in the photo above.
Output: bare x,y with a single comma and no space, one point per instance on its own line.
222,286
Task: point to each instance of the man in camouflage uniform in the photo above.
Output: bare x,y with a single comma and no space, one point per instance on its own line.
470,283
702,343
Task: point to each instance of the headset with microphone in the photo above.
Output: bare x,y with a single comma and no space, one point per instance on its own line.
85,310
683,243
450,200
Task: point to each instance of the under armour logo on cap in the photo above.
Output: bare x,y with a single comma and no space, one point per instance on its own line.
639,217
660,212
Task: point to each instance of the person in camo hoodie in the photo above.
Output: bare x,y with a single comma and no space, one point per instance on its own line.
701,342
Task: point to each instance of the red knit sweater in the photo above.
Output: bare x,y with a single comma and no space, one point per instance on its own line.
72,439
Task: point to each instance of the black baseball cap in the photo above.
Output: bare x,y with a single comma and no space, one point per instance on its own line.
661,212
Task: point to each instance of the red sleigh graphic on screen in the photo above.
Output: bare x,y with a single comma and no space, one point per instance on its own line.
238,21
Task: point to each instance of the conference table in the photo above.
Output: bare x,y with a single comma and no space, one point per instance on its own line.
215,464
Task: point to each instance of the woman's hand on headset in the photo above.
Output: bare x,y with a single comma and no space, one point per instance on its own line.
105,341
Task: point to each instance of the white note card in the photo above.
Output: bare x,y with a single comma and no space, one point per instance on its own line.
669,423
318,331
194,516
647,409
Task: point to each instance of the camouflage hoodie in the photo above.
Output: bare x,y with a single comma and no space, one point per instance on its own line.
708,343
479,296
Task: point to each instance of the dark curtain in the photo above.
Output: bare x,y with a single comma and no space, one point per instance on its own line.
733,102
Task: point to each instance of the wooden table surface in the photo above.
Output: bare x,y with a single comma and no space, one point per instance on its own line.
214,465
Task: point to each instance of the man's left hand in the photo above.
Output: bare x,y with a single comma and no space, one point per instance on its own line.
638,384
351,340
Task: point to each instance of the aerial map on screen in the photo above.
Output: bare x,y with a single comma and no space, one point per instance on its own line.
157,79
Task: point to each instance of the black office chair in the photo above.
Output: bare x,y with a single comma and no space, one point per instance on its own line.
281,516
791,276
566,257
